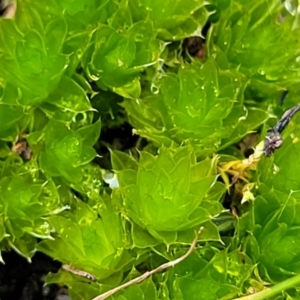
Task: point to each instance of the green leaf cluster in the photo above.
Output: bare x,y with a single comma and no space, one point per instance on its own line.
168,201
71,68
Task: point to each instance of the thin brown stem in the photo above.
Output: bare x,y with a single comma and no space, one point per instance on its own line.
160,268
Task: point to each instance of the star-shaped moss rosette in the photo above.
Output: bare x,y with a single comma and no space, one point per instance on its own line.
27,199
200,104
66,154
166,192
87,242
253,36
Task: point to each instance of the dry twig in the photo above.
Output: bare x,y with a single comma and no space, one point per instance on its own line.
160,268
79,272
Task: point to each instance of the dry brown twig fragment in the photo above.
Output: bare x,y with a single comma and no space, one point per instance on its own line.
8,9
79,272
160,268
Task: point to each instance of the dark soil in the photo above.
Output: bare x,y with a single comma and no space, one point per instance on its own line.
21,280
